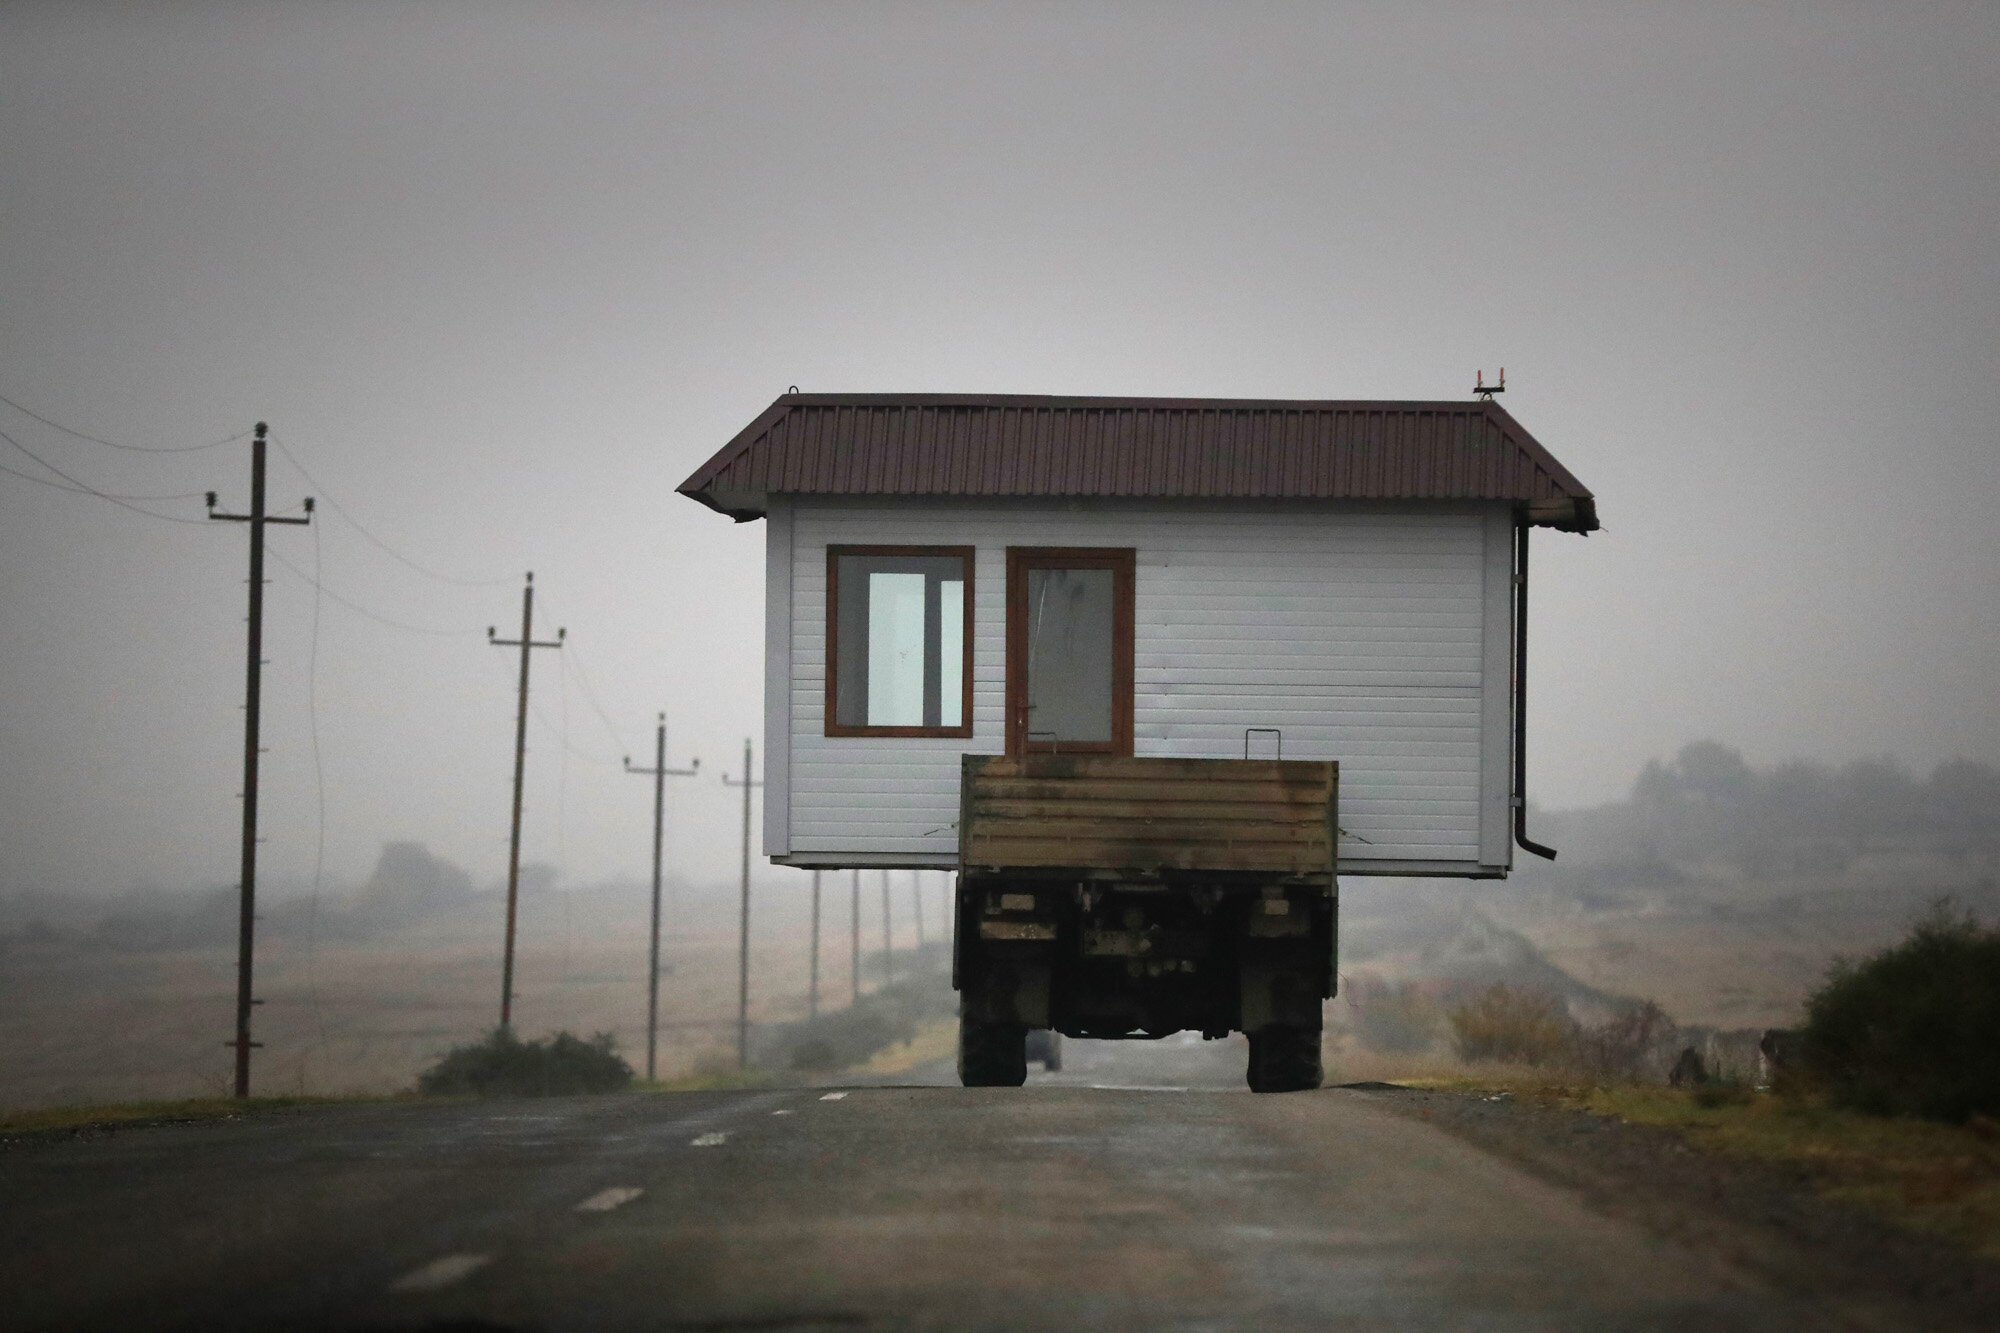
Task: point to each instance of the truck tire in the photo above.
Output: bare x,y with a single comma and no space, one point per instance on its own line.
1284,1060
991,1055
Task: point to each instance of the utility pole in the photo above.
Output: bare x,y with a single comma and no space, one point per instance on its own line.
743,927
917,897
253,698
524,643
812,991
888,945
659,772
854,944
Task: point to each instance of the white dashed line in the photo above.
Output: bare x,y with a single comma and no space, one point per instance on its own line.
605,1200
713,1139
441,1273
833,1096
783,1111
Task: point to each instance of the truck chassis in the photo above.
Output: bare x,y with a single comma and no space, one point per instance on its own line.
1135,898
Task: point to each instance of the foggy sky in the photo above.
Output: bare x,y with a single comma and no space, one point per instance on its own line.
502,275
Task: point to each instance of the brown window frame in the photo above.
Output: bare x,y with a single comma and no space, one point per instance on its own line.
833,726
1122,562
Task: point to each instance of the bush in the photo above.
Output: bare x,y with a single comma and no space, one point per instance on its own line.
505,1066
1617,1049
1515,1024
1914,1030
847,1036
1392,1019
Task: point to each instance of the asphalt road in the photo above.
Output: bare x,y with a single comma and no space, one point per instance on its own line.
1136,1189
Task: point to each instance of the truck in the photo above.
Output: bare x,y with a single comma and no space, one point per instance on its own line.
1132,898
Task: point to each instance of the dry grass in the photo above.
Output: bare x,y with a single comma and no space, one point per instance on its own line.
1931,1177
365,1017
935,1042
50,1118
1934,1177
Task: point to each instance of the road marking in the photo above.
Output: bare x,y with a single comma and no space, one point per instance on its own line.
785,1111
833,1096
713,1139
441,1273
605,1200
1132,1087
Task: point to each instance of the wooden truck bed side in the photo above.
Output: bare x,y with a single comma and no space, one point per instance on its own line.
1103,817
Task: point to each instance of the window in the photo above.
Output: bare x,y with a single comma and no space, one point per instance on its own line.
899,647
1069,650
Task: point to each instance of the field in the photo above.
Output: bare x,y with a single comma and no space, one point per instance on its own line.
348,1012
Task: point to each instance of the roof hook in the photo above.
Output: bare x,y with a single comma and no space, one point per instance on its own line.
1485,390
793,389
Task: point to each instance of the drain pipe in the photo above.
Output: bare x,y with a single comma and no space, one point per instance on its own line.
1521,837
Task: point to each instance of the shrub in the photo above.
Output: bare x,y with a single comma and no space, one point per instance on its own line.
505,1066
847,1036
1617,1048
1915,1029
1516,1024
1392,1019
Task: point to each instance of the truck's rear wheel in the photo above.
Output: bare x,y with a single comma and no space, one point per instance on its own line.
1284,1059
991,1055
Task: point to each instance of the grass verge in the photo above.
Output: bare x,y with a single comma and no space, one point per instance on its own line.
132,1114
1920,1174
934,1041
1939,1178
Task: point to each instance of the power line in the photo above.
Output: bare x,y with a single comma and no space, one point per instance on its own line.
387,549
86,488
361,610
78,490
114,444
596,706
561,736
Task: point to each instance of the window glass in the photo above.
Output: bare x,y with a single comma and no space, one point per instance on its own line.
1069,654
899,630
951,662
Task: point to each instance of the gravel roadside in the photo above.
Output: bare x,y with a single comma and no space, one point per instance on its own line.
1767,1217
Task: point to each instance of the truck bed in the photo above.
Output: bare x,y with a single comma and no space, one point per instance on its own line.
1100,817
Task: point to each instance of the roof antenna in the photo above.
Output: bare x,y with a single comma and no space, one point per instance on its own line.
1485,390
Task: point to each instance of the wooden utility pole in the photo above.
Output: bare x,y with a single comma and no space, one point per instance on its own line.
854,944
743,925
659,772
812,989
524,643
888,944
253,698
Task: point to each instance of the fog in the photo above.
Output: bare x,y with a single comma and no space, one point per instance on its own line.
500,276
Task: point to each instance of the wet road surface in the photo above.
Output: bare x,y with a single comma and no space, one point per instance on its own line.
1124,1192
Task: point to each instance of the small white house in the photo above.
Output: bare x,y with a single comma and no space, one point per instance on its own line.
951,574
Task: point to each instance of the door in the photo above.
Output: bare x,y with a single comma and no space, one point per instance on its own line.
1069,650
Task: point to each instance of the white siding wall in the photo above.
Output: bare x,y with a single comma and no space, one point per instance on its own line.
1366,634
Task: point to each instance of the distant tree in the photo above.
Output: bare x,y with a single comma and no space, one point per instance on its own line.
1879,802
1713,774
410,882
1963,801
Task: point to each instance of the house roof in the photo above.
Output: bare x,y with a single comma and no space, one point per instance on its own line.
889,444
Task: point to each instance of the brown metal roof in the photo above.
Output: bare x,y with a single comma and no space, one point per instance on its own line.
1026,445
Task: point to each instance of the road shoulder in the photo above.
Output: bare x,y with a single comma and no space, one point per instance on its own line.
1769,1218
